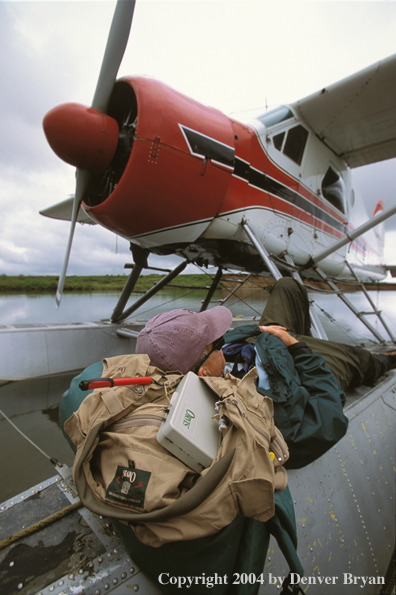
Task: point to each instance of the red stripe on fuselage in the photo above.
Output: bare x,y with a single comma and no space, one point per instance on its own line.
249,148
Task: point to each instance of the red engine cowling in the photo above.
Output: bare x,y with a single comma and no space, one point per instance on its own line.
172,166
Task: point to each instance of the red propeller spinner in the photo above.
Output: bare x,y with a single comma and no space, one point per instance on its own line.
82,136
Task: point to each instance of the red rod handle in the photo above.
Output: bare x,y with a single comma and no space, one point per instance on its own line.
108,382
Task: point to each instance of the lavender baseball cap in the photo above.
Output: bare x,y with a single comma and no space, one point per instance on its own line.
176,340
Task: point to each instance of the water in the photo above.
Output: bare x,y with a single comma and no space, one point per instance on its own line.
32,405
76,307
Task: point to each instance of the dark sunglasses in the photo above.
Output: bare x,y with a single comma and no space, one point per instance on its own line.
217,345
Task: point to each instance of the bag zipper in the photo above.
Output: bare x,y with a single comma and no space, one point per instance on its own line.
271,444
136,420
277,450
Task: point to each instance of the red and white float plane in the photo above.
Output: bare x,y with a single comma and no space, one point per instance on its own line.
174,176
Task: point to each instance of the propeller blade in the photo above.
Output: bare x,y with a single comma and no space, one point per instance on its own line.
83,177
63,211
115,48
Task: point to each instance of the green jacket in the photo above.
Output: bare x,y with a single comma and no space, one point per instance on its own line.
307,398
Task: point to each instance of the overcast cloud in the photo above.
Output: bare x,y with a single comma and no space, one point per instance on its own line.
231,55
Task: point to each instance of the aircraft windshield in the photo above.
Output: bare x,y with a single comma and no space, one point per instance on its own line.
279,114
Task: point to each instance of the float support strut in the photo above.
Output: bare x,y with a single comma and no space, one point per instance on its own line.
164,281
126,292
359,315
372,304
317,328
273,269
212,289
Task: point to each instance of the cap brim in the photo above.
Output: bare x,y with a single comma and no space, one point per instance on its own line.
218,320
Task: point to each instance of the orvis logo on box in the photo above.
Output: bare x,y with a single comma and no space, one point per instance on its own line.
188,417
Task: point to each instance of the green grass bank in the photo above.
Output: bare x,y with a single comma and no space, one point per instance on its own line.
48,284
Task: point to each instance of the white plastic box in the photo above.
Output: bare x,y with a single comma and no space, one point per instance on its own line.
189,432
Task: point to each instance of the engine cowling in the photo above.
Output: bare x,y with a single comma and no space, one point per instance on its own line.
172,166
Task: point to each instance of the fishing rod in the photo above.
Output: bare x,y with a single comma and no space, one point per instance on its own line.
110,382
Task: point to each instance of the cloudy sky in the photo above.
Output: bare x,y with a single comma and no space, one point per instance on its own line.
233,55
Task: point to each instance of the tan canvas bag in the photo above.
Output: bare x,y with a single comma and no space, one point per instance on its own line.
121,471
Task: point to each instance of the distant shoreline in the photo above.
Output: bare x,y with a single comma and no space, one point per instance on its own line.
91,283
35,284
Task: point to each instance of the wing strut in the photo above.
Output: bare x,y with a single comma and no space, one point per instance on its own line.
350,236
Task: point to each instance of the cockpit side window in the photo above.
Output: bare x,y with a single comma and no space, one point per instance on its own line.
290,142
295,143
333,189
278,140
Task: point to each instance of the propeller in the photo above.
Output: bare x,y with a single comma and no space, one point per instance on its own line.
115,48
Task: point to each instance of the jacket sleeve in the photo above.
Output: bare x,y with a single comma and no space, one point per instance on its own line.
307,401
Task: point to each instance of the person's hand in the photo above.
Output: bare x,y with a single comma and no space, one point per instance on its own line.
280,332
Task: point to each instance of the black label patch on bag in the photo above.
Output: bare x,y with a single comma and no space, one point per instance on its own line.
129,486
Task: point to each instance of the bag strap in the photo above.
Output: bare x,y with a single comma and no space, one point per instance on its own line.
183,505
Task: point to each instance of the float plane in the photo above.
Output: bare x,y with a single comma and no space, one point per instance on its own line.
273,195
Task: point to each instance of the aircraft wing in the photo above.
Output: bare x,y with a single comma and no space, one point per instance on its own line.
63,210
356,117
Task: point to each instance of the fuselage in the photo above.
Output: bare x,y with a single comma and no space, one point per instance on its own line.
184,175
